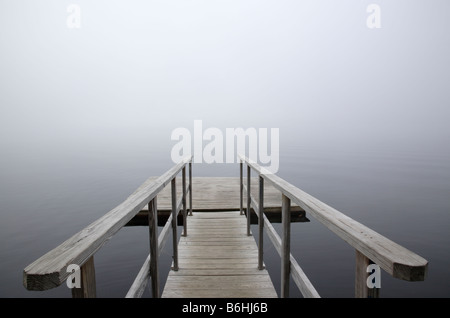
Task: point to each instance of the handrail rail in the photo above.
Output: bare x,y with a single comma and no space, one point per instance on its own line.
50,270
299,277
393,258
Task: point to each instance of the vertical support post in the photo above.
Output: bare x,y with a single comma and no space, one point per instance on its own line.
190,187
87,276
183,200
362,289
261,224
241,183
154,250
248,201
285,245
174,224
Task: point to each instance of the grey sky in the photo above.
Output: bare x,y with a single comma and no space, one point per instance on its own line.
311,68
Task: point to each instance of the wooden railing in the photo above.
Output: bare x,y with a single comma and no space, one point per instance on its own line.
51,270
370,246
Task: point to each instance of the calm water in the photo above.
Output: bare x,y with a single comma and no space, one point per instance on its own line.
402,195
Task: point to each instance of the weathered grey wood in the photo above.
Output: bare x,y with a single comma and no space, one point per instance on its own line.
88,286
190,188
140,282
301,280
241,187
361,275
154,246
218,262
219,293
390,256
183,176
237,284
285,246
261,225
298,275
220,194
222,265
164,235
150,268
252,200
248,199
137,288
175,209
50,270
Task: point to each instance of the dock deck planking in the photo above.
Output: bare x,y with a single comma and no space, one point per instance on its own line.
218,259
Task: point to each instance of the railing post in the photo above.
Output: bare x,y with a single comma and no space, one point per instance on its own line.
248,201
362,289
183,179
154,251
261,224
190,187
87,276
285,245
241,186
174,224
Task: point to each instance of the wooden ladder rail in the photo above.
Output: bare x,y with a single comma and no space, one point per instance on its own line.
53,268
370,246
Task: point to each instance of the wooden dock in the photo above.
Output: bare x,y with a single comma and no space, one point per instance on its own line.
218,259
217,255
215,194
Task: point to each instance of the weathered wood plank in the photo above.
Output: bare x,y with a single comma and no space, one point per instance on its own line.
221,194
219,265
217,280
88,286
285,246
211,248
175,209
214,261
218,272
220,293
298,275
236,284
154,247
361,275
140,282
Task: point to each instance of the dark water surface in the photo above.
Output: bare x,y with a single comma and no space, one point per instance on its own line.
402,195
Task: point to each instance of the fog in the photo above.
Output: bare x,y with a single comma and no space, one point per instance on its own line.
136,70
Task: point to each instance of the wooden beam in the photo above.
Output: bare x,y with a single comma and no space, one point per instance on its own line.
175,209
362,290
154,246
183,198
190,188
299,277
88,286
261,225
285,246
241,187
248,199
140,282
